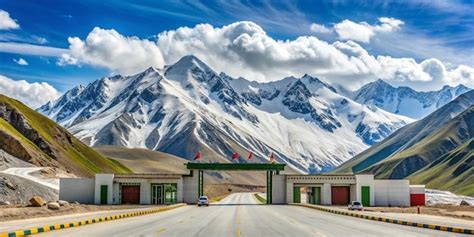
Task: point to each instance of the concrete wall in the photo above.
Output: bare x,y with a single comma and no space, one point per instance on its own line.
279,189
190,188
145,188
392,193
365,180
77,190
104,179
353,192
323,181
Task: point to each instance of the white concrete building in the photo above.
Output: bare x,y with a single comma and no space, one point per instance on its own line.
324,189
340,189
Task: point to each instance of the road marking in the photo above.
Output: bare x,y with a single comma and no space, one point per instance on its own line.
161,230
237,219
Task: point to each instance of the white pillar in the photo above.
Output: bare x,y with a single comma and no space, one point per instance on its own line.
104,179
326,194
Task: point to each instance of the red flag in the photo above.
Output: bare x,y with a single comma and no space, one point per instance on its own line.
250,156
235,156
197,156
272,159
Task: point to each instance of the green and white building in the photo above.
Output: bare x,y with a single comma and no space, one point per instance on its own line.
282,187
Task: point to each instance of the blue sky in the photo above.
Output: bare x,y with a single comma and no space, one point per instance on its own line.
443,30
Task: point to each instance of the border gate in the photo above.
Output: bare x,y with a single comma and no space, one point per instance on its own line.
271,169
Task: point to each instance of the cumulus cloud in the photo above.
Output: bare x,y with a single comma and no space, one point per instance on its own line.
363,32
20,61
32,94
317,28
6,22
243,49
110,49
461,75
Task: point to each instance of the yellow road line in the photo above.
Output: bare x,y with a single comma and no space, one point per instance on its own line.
161,230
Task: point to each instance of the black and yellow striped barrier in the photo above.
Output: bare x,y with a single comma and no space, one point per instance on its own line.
388,220
47,228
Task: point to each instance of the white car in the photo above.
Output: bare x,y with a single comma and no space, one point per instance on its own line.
356,205
203,201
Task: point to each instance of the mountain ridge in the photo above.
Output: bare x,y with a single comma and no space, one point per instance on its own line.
34,138
188,106
404,100
417,150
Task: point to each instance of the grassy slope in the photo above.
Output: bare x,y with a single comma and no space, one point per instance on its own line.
74,155
406,137
453,171
144,160
429,149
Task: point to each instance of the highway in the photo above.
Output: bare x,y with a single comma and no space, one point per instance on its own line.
240,215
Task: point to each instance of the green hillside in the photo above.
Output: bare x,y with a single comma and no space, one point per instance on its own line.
32,137
441,141
453,171
412,151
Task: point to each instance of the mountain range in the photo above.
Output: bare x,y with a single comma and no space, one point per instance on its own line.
436,150
404,100
187,106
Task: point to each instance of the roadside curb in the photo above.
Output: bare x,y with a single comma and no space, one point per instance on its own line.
259,198
389,220
52,227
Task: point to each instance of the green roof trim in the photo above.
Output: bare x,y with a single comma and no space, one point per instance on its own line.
235,166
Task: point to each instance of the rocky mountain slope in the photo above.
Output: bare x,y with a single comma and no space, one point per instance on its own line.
453,171
418,150
187,106
404,100
32,137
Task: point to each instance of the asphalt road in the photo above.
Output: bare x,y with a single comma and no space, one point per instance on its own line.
240,215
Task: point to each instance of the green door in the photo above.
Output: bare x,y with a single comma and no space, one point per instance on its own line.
316,195
171,193
103,194
296,194
365,196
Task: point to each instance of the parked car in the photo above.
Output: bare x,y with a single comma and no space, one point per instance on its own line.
356,205
203,201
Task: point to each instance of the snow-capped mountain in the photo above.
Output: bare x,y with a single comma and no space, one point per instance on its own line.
404,100
187,106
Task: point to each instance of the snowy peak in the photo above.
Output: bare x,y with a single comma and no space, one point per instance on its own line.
404,100
187,105
188,65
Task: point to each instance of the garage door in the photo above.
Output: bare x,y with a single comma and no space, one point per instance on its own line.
131,194
340,195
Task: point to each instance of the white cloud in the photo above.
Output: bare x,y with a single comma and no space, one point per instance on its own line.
317,28
6,22
40,40
461,75
363,32
244,49
31,49
32,94
21,61
110,49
